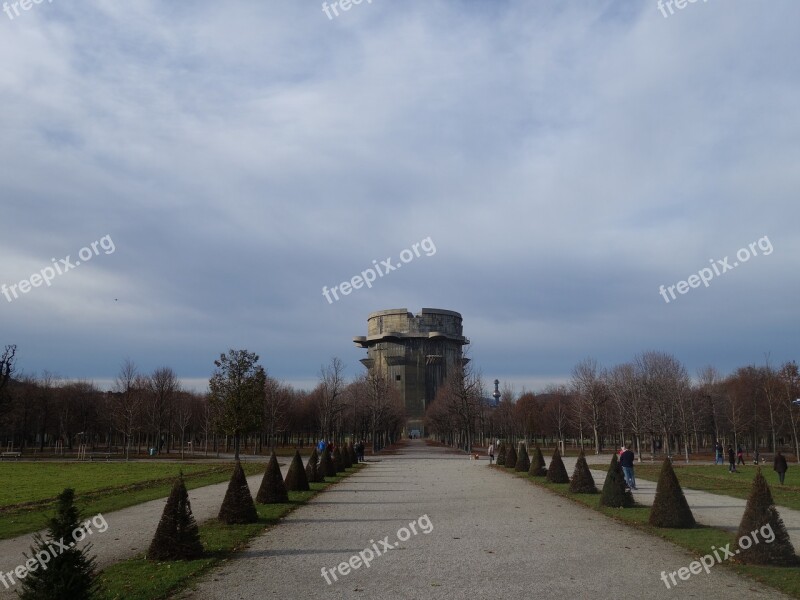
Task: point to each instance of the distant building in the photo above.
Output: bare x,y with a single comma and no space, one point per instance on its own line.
416,352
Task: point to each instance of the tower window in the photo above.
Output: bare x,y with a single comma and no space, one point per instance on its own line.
397,377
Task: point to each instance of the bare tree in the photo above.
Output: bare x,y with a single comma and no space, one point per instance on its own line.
127,402
590,389
162,389
331,399
790,376
6,367
276,405
458,400
186,407
709,386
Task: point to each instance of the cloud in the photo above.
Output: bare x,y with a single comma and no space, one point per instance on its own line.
566,159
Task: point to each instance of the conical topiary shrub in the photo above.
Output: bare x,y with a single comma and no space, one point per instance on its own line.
312,472
537,467
614,494
238,506
501,455
557,472
523,461
326,465
670,508
346,458
761,516
582,480
69,574
338,462
272,489
296,480
177,536
351,450
511,457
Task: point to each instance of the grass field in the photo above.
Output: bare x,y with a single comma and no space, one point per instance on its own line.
140,579
698,540
27,501
717,480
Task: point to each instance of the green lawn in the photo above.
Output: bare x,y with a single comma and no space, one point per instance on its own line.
27,501
697,540
140,579
717,480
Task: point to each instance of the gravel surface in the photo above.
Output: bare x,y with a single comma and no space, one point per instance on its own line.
490,536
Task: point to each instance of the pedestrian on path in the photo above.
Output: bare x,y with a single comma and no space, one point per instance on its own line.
739,455
780,466
626,460
490,452
731,460
718,460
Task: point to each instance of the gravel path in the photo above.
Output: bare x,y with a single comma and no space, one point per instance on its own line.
489,536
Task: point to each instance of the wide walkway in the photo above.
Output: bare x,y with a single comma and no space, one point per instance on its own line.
477,534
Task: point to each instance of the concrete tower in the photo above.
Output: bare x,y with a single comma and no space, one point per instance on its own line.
414,352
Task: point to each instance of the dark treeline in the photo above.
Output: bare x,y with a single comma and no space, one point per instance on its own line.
650,403
144,411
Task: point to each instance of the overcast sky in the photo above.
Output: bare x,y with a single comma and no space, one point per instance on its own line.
565,158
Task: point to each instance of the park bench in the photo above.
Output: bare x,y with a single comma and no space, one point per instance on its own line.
99,455
14,455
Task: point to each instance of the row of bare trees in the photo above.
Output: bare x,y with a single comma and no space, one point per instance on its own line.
244,408
650,402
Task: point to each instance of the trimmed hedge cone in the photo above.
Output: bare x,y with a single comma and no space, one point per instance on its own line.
511,457
346,460
614,494
761,515
313,473
296,480
338,461
670,508
557,472
582,480
272,489
523,462
351,450
238,507
537,467
501,455
177,536
326,464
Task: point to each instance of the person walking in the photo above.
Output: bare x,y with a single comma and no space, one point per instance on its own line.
731,460
490,452
718,460
739,455
780,466
626,461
